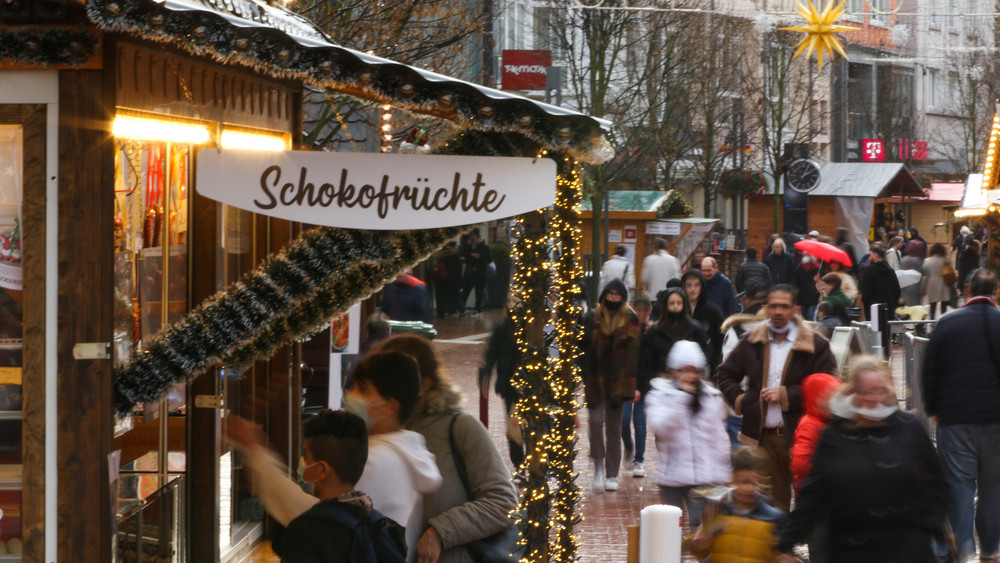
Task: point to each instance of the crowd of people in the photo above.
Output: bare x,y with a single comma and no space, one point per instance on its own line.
737,382
758,436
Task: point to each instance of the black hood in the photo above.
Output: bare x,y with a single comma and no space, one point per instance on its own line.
616,284
703,295
666,295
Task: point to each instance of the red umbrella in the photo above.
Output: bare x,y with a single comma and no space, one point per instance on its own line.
824,251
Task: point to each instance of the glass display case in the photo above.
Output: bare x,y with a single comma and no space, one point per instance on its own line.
152,180
11,288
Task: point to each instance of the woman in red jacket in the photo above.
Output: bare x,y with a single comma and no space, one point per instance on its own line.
816,391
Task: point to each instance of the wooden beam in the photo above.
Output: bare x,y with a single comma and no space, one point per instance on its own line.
86,212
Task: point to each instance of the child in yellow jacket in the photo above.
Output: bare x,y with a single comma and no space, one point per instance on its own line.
744,527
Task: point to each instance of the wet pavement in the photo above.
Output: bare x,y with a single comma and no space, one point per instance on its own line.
606,516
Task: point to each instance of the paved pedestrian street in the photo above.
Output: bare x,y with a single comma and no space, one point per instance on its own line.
606,515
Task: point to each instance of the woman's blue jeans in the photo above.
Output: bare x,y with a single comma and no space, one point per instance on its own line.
635,413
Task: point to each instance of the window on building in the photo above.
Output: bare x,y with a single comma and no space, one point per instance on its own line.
860,100
954,91
856,8
931,85
549,26
880,11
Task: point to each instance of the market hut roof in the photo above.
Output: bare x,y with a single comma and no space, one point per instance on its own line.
628,200
277,42
866,179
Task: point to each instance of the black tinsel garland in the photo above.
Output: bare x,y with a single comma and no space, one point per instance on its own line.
290,296
48,47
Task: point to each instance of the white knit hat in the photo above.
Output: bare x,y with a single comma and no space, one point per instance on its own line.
966,231
686,353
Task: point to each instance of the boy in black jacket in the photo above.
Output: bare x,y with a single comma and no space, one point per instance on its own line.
342,527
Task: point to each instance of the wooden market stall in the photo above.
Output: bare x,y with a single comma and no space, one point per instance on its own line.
103,108
845,197
637,219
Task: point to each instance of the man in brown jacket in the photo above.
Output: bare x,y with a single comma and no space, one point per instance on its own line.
774,357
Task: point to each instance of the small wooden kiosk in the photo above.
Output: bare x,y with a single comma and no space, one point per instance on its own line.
635,220
103,105
845,197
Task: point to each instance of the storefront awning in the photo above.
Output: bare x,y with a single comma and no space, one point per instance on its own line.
277,42
866,179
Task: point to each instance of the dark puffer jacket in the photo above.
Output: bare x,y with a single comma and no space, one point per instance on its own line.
880,491
961,376
880,285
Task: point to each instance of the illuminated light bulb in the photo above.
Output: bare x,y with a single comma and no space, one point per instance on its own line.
149,129
234,139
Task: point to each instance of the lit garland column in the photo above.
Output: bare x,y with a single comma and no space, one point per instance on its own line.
565,377
531,379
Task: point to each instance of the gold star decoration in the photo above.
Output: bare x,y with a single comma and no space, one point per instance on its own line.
820,31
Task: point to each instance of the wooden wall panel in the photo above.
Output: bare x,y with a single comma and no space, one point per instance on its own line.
760,222
822,216
161,81
86,212
203,427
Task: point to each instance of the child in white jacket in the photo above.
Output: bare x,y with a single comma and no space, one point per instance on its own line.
688,417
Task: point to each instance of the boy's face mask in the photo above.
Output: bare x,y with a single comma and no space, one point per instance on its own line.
300,473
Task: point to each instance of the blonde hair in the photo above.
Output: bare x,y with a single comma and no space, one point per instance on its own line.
862,363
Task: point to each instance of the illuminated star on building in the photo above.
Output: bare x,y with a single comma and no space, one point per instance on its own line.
820,30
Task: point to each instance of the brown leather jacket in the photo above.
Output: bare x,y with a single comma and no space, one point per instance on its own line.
810,354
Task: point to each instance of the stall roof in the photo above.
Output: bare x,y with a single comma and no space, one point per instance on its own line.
866,179
628,200
946,191
974,192
280,43
942,192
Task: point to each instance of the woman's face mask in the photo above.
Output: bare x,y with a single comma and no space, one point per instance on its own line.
359,405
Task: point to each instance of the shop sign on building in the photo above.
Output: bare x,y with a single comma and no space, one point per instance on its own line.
524,70
376,191
872,150
911,149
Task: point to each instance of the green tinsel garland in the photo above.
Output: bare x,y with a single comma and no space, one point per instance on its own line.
675,206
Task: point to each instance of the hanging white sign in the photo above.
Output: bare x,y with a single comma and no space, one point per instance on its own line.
376,191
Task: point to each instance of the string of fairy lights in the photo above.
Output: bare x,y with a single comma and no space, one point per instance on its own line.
565,230
546,269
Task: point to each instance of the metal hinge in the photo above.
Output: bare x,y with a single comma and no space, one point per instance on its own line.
208,401
92,351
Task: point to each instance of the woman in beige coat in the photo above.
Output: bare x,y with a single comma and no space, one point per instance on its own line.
451,519
933,284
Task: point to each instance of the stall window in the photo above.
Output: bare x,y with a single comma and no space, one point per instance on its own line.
11,452
240,513
153,171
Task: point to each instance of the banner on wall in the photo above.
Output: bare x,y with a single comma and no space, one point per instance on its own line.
376,191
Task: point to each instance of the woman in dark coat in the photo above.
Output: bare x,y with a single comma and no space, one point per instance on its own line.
706,312
676,323
610,364
875,481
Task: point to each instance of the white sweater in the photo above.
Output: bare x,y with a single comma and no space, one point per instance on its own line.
693,448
